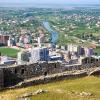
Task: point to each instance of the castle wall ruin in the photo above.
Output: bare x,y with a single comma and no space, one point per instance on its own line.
12,75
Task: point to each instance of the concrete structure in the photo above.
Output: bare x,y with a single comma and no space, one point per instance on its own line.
39,54
9,43
89,52
4,39
39,42
23,57
6,60
72,48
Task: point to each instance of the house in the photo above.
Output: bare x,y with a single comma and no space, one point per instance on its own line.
4,39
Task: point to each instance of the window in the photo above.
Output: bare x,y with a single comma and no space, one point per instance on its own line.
55,66
15,71
45,73
22,71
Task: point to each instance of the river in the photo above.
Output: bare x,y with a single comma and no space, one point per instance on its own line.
54,34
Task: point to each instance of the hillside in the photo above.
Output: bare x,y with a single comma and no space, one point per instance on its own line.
61,90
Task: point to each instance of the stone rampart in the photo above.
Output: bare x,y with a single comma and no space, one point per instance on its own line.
12,75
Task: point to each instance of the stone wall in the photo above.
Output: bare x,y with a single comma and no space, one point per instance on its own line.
14,75
49,78
1,79
81,67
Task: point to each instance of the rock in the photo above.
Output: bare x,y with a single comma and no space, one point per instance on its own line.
39,91
60,91
27,95
81,94
23,99
85,94
26,99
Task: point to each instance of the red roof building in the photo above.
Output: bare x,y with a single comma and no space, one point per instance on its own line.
4,39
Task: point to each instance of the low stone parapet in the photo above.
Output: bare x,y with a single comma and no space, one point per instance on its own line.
49,78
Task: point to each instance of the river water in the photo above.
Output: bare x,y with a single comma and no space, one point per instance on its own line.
54,34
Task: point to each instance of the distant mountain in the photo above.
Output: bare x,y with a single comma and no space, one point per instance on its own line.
47,5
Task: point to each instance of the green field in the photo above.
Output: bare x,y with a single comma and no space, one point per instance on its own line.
61,90
9,52
97,50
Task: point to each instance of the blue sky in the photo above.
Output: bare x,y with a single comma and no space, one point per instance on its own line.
53,1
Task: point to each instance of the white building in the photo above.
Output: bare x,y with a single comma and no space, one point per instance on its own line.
39,54
72,48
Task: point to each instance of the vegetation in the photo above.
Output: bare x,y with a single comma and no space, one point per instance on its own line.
82,22
62,90
97,50
9,51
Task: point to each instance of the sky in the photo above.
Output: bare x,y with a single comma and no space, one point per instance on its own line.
53,1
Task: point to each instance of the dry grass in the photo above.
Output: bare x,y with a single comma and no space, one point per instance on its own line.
61,90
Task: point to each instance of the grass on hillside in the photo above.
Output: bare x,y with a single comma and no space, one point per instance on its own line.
10,52
61,90
97,50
